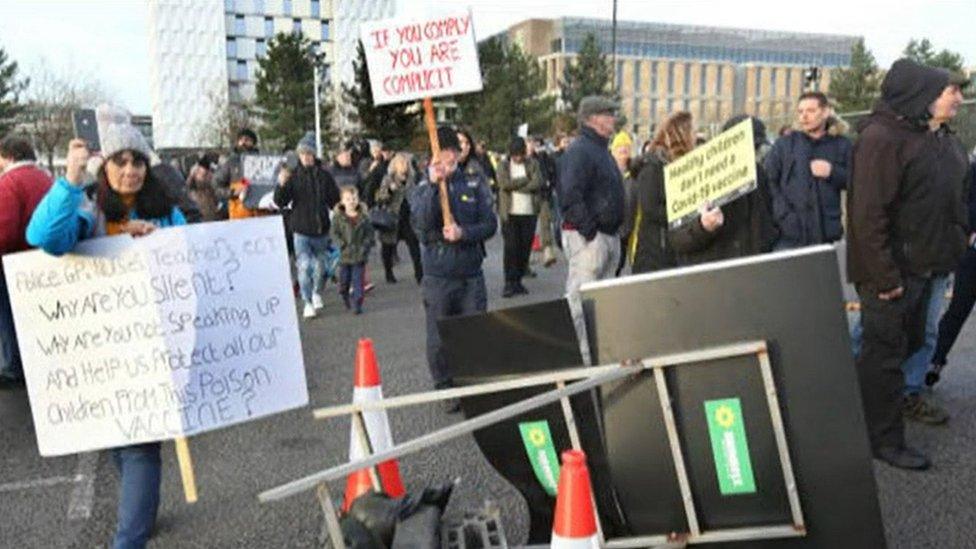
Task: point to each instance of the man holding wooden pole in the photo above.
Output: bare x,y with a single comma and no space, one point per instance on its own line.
452,216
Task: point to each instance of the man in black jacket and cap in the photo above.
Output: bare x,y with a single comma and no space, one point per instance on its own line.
591,198
906,220
453,282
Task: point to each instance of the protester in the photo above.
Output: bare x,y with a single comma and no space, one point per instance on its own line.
807,171
22,186
200,189
127,200
353,235
547,168
469,163
740,228
906,220
373,169
591,197
227,178
563,142
652,250
343,170
963,288
620,148
519,185
453,282
391,196
312,193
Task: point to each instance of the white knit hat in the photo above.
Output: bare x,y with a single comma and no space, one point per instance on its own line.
116,132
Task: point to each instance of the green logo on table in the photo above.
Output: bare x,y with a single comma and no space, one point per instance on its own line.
730,446
542,454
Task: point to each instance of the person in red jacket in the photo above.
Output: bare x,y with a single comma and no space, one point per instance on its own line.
22,186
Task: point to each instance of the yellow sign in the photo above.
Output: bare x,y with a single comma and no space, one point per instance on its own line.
717,172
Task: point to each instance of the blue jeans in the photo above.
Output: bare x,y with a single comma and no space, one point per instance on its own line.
310,255
352,276
917,365
140,471
10,365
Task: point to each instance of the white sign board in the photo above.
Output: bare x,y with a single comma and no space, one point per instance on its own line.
257,168
410,59
186,330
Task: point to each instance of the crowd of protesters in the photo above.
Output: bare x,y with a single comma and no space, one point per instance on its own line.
905,186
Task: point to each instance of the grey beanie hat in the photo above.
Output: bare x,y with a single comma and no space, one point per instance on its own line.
116,132
306,143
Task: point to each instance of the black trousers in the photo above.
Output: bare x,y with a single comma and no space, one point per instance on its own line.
963,299
518,232
444,298
893,331
388,250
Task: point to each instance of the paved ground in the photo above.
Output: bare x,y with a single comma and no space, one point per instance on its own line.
69,502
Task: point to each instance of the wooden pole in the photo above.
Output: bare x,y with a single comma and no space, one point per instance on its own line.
435,150
186,469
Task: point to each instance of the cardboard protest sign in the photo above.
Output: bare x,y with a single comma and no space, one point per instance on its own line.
183,331
260,167
718,172
410,59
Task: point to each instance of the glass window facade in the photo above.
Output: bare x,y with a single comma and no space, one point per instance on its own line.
670,80
268,27
296,25
759,73
239,28
702,78
242,70
316,8
687,79
325,30
286,7
231,47
261,47
653,79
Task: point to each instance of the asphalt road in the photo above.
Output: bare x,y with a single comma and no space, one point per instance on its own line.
70,501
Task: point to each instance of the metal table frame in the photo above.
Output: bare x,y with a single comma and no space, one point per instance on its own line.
584,379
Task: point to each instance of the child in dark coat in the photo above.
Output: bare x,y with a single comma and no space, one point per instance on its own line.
352,233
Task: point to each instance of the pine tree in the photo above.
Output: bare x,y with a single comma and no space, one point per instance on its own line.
924,52
590,74
393,124
285,91
856,87
513,94
10,89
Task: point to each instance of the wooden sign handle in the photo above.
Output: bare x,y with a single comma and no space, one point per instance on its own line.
435,148
186,469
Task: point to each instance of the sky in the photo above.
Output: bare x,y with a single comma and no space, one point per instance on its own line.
107,39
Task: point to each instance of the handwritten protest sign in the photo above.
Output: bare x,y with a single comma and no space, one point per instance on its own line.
260,167
718,172
183,331
411,59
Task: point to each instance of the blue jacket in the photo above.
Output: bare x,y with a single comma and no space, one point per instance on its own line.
806,210
471,205
66,215
591,189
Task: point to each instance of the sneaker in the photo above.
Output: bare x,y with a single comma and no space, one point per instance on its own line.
390,279
903,458
317,302
920,409
368,288
309,311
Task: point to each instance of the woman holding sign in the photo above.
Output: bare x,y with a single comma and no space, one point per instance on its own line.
740,228
651,249
126,199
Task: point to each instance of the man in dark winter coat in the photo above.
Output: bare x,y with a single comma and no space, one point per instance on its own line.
744,226
807,171
312,193
591,197
453,282
907,219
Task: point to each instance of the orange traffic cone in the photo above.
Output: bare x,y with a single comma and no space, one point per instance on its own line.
357,484
366,387
574,525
